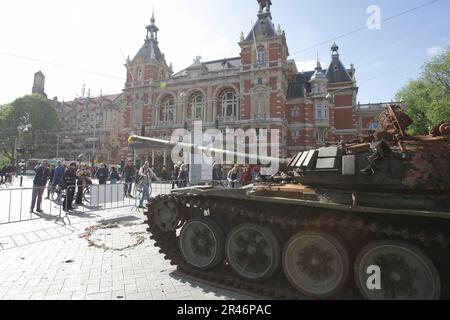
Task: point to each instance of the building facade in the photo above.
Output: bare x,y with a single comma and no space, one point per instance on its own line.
368,115
90,129
260,88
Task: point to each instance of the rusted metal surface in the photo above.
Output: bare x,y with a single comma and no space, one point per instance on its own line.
429,166
395,122
441,129
358,148
444,129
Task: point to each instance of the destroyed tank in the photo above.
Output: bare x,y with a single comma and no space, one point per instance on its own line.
363,219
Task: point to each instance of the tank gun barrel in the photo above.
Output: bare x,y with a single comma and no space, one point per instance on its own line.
207,150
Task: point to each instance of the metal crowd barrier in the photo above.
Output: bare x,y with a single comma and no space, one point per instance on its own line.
15,203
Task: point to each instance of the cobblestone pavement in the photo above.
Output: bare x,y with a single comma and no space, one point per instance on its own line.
103,255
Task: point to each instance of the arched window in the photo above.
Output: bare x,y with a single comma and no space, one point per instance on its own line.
167,114
230,104
261,56
197,103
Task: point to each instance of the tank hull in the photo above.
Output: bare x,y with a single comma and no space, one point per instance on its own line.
293,210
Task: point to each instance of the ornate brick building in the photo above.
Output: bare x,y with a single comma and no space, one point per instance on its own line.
261,88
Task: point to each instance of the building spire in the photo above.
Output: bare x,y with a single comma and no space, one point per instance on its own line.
318,66
335,50
264,4
152,29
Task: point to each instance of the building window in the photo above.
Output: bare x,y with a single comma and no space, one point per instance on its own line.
197,107
374,125
321,112
296,133
318,89
229,104
295,113
167,110
320,135
261,56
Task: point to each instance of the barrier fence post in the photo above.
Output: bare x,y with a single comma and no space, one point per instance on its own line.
21,199
9,214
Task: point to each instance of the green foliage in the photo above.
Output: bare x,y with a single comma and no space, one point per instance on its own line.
427,99
32,110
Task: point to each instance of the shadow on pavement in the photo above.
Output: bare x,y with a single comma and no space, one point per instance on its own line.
218,291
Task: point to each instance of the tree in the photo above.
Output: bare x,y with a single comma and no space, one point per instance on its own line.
427,99
42,120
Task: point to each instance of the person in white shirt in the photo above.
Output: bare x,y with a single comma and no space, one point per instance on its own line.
145,175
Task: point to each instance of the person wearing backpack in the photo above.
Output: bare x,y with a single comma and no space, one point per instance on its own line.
102,174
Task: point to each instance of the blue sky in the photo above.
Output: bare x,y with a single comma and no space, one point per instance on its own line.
91,35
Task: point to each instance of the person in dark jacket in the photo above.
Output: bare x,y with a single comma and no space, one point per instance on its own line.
39,183
8,170
217,173
174,176
114,176
59,171
183,176
128,175
2,174
102,174
69,181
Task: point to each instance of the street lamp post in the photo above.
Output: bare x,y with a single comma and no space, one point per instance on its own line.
21,129
57,146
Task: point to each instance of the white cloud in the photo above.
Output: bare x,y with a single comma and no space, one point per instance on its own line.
434,51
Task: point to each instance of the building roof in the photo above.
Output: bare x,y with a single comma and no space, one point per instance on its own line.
213,66
301,84
263,27
336,72
149,51
81,103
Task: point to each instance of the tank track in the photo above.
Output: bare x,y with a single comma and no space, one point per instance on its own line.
237,211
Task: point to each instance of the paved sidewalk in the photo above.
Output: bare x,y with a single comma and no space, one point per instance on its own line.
41,260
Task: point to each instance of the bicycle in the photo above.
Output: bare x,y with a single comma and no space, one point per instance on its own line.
8,181
57,195
137,190
87,195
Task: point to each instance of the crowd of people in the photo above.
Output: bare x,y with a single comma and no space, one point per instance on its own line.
6,173
180,175
75,177
240,175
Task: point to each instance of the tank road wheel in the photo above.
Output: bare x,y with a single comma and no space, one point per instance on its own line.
316,263
202,243
166,215
253,251
406,272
